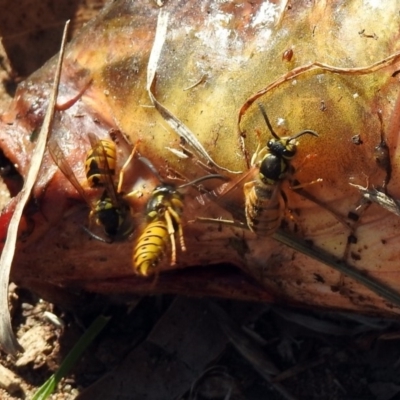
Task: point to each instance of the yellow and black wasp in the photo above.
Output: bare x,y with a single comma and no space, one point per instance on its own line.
264,203
110,211
164,211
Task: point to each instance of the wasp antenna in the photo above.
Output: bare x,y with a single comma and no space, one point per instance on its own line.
151,167
96,237
203,178
266,119
305,132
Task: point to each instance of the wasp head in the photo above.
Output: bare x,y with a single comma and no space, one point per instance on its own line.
282,148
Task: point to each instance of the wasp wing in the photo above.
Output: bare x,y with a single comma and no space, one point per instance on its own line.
226,196
60,160
100,153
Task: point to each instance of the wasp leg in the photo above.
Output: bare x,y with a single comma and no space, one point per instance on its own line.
125,166
177,219
303,185
96,237
181,237
93,235
305,160
248,190
299,168
247,187
171,232
135,194
229,222
260,152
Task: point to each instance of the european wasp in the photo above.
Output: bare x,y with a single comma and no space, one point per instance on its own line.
110,211
163,214
164,211
264,203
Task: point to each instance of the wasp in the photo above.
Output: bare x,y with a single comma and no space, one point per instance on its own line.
164,211
264,203
109,211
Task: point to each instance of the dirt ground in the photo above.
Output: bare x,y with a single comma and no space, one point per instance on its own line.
167,347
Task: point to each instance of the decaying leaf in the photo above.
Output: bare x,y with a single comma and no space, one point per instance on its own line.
234,53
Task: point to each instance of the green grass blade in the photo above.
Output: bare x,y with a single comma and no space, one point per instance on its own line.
73,356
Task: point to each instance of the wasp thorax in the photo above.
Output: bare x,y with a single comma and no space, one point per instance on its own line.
108,216
273,168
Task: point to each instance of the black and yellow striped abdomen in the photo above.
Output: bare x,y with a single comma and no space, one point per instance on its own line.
151,247
100,163
264,207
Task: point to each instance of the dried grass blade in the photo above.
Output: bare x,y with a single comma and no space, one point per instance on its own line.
320,255
176,124
7,338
